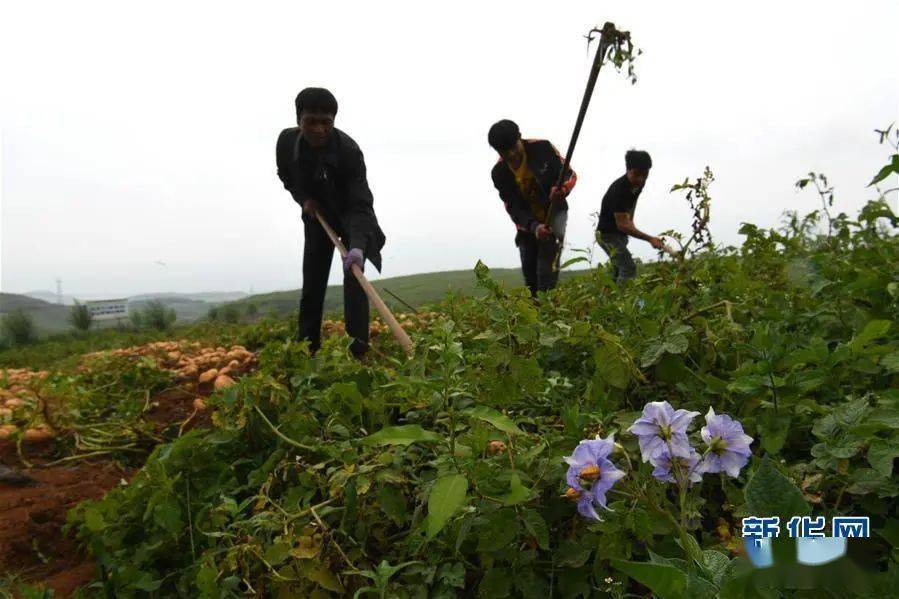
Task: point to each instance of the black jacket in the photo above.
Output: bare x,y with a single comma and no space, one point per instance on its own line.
546,163
336,178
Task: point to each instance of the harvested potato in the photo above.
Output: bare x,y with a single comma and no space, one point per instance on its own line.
209,375
41,433
7,431
223,381
199,404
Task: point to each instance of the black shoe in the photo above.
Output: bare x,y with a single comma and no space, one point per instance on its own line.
358,349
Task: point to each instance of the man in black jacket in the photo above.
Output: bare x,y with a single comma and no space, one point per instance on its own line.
324,171
525,177
616,216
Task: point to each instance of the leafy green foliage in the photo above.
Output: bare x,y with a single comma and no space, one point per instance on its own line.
18,328
80,317
401,435
770,493
155,315
230,313
323,475
446,497
889,135
664,580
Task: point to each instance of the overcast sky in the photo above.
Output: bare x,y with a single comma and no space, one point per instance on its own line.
133,134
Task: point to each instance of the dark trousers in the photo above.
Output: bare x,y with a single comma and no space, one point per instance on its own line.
539,262
318,252
615,245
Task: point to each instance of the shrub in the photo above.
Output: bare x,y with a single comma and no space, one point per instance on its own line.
18,328
80,317
230,313
155,316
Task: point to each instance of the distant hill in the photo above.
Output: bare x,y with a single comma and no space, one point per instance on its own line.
50,297
213,297
417,290
10,302
203,296
186,309
48,318
188,306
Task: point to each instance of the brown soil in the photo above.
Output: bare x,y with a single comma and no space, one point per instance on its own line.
32,517
176,407
32,544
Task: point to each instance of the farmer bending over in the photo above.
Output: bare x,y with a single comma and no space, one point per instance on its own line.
525,176
323,169
616,217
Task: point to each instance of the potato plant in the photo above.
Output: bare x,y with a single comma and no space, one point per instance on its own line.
445,475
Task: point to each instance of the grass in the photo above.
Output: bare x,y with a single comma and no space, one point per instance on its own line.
418,290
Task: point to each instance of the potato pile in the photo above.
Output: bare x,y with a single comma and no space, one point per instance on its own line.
16,395
417,320
211,367
410,321
20,377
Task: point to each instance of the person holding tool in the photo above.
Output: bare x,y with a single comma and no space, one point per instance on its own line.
525,177
324,171
616,216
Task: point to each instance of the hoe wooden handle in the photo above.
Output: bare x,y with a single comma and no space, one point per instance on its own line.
374,298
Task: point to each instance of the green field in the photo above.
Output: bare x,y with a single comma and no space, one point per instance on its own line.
417,290
322,473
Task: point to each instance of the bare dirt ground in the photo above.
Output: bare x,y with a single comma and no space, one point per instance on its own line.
32,544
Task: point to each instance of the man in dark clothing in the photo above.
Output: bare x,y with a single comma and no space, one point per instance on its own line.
525,177
324,171
616,217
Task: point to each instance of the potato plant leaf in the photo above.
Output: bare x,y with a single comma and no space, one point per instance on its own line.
405,434
496,418
446,497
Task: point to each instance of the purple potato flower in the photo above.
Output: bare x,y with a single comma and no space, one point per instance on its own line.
590,474
586,502
662,428
728,445
689,466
